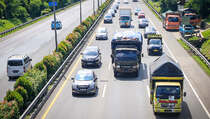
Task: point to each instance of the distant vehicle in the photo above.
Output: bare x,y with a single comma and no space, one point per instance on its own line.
171,20
194,18
136,11
186,29
143,23
108,18
166,85
58,25
91,56
125,17
114,7
85,82
117,5
111,11
155,47
118,2
17,65
141,15
102,34
149,30
135,0
125,2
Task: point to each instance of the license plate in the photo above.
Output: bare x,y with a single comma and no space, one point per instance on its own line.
155,50
15,71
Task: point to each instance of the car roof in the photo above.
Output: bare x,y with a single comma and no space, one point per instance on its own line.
17,57
150,28
85,72
102,28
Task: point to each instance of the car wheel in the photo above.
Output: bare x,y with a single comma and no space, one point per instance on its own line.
145,35
136,73
83,66
73,94
10,77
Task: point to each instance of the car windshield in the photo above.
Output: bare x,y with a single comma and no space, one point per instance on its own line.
150,29
84,77
173,19
125,55
107,16
188,27
155,42
144,20
165,92
15,63
192,17
101,31
124,18
137,9
91,53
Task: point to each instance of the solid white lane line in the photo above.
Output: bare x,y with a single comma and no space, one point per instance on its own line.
148,92
196,94
104,91
109,67
143,66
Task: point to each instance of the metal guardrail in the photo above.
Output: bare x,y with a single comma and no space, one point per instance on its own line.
20,25
194,50
63,68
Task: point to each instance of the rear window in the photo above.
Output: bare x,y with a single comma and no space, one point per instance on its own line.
15,63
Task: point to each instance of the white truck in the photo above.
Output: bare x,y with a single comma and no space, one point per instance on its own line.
125,17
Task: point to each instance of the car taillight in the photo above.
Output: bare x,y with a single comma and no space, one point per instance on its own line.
24,68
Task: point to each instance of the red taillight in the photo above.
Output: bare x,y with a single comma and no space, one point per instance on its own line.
167,101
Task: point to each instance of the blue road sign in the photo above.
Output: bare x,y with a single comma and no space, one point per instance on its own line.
52,4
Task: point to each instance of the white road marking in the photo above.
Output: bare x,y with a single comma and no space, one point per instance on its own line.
104,91
109,67
143,66
148,92
202,104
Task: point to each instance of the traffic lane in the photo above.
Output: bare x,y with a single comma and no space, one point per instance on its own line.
196,76
37,40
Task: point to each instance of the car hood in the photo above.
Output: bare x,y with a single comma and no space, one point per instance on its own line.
101,34
76,82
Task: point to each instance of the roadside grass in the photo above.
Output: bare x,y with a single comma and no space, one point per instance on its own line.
207,20
152,10
155,5
195,57
20,28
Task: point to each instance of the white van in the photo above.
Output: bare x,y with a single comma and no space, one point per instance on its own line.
17,65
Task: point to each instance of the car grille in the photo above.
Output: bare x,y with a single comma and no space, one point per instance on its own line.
83,86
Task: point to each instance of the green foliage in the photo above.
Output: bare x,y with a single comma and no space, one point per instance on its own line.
5,24
24,94
20,13
206,34
45,11
13,95
26,84
195,41
166,5
34,8
205,49
2,8
9,110
40,66
15,21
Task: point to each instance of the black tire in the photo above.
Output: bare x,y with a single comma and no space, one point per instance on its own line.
145,35
83,66
136,73
10,77
73,94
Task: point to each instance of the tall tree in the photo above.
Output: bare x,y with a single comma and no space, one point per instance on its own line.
2,8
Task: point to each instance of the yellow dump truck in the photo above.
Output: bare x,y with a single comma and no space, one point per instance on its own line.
166,85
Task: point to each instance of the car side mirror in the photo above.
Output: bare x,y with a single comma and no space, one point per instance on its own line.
95,79
99,53
142,55
30,59
72,78
185,94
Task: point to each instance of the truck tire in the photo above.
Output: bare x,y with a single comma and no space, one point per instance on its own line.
136,73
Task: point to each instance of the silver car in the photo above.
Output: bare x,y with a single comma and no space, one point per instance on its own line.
111,11
143,23
108,18
102,34
85,82
149,30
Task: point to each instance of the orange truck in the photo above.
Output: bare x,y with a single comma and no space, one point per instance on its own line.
194,19
171,20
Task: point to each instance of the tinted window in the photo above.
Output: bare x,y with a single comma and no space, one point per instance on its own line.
84,76
126,55
108,16
173,19
124,18
163,92
156,42
15,63
91,53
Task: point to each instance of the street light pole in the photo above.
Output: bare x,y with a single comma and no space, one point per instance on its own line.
80,11
98,4
56,42
93,7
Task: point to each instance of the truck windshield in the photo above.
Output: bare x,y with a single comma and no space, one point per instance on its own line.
155,42
192,17
173,19
124,18
15,63
125,55
164,92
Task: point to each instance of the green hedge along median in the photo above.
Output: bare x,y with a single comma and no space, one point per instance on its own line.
31,83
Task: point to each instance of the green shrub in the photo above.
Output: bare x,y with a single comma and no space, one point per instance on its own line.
62,49
86,23
24,94
26,84
15,21
9,110
81,29
205,49
73,38
37,78
5,25
40,66
195,41
13,95
206,34
51,64
45,11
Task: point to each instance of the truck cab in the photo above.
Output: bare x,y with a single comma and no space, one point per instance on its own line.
194,19
125,17
171,21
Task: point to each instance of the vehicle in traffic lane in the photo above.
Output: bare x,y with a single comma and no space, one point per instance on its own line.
186,29
149,30
141,15
143,23
85,82
125,2
166,85
101,34
108,18
125,17
58,25
17,65
154,44
91,56
171,20
136,11
111,11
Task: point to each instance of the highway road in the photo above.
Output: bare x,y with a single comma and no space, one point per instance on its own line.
125,97
37,40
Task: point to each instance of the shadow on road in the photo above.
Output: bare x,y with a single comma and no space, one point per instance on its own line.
131,77
185,114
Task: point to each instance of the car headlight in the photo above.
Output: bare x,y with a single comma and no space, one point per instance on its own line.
136,66
118,66
92,85
74,86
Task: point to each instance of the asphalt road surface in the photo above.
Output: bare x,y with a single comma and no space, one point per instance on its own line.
37,40
126,97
